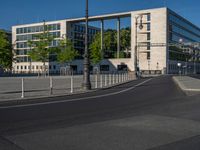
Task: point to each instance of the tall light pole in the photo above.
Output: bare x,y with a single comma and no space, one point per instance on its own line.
86,72
136,42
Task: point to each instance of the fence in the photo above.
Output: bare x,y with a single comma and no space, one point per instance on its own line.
26,87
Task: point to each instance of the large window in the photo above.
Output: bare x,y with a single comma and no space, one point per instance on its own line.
148,36
51,27
148,17
148,26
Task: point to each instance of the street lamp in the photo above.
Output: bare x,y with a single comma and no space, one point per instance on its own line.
86,72
186,59
136,47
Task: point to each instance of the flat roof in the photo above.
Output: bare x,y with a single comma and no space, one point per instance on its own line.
101,17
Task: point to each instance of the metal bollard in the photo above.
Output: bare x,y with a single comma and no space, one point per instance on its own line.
105,79
96,81
113,78
110,80
51,85
22,88
116,78
101,80
72,83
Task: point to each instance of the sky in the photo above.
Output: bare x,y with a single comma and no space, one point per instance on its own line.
14,12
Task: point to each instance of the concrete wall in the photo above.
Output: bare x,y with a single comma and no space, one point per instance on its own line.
158,33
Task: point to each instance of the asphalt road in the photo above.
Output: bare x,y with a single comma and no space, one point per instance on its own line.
143,114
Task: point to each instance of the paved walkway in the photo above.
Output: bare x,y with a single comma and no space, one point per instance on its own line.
188,84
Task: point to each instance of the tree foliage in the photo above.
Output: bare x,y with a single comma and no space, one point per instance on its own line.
66,52
5,51
96,54
110,44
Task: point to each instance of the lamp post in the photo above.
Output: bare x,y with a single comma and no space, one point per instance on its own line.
136,47
86,72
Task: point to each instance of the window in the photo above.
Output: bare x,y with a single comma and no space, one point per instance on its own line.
18,31
148,17
148,36
54,67
148,45
122,67
17,67
21,67
104,67
148,55
148,26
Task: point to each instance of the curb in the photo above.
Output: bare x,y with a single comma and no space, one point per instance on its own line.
187,91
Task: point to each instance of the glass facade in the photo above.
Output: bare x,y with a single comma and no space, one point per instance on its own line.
23,35
179,28
182,33
79,37
27,37
51,27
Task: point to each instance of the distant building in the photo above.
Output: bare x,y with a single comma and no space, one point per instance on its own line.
160,39
59,29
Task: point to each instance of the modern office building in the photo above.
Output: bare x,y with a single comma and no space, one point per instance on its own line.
160,39
59,29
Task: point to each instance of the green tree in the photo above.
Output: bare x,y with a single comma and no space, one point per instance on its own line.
66,52
5,51
125,38
96,54
110,44
41,46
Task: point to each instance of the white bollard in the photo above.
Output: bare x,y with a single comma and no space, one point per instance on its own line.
113,78
22,88
72,83
101,80
116,78
110,79
96,81
51,85
105,79
128,76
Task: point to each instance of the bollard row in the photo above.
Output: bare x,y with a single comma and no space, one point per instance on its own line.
104,80
99,80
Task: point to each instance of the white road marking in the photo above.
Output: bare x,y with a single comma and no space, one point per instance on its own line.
76,99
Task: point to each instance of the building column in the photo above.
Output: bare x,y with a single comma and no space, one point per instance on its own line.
118,37
102,37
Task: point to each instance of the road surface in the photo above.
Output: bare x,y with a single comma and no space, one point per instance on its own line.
150,113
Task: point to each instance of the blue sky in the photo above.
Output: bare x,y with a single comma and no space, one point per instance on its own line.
13,12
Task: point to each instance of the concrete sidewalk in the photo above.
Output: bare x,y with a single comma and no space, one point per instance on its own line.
191,86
